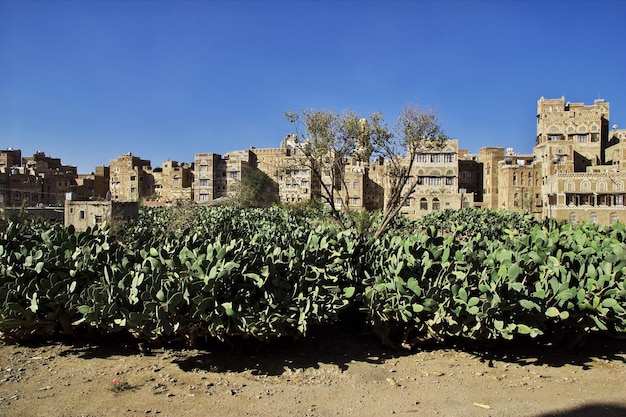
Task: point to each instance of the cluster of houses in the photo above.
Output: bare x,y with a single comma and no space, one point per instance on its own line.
576,172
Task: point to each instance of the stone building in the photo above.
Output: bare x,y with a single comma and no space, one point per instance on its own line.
291,180
131,178
94,185
436,173
216,176
581,180
173,182
34,180
575,172
91,213
470,178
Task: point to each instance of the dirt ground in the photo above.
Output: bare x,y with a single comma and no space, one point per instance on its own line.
330,374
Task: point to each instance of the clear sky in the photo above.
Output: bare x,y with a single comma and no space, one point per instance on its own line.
87,81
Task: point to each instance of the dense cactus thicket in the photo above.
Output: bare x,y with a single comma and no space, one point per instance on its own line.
188,274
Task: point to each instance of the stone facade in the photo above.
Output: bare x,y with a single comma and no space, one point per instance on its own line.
576,172
84,214
35,180
172,182
436,173
131,178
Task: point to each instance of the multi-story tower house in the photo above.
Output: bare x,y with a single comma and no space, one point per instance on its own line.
34,180
574,133
10,163
436,174
573,145
58,179
209,177
130,178
94,185
374,192
355,181
489,158
470,178
291,179
172,182
217,176
519,183
10,158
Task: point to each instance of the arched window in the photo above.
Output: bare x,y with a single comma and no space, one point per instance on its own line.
614,218
569,186
601,187
585,186
423,204
436,204
573,217
594,218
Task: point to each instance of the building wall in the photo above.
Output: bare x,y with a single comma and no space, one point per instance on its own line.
130,178
436,174
489,158
471,177
587,126
10,158
84,214
519,183
173,182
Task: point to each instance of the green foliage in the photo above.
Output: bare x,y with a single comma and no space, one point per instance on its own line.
496,276
186,274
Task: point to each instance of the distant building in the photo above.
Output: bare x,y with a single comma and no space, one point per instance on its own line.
575,172
173,182
436,174
131,178
94,185
92,213
470,178
216,176
35,180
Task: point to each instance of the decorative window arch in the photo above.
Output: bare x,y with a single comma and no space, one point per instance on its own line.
436,204
573,217
582,129
423,203
585,186
618,186
435,173
569,186
614,218
601,187
594,218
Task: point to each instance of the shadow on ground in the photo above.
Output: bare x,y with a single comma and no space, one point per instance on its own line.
598,347
590,410
340,346
330,346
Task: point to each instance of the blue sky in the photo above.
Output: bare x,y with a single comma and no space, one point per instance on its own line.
87,81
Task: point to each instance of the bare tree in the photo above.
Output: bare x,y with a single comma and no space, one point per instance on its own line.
416,131
331,139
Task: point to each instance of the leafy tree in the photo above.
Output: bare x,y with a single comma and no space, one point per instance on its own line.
249,191
330,139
